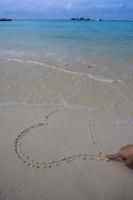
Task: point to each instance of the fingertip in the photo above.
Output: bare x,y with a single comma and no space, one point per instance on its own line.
108,156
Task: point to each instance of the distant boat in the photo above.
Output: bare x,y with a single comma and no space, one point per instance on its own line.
98,20
80,19
87,19
5,19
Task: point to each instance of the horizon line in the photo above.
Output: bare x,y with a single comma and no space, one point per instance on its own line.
91,19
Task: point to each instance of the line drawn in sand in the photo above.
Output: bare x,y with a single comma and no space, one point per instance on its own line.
100,155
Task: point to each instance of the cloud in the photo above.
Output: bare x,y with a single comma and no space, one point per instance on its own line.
63,8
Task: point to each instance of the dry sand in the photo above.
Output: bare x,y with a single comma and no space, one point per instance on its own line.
56,153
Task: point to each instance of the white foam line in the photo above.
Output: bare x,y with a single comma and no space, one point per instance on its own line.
8,104
15,59
35,62
101,79
71,72
12,104
64,70
69,106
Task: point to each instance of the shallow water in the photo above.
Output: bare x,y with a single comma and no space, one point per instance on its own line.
85,64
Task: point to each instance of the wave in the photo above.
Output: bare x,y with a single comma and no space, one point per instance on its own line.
96,78
67,106
15,59
12,104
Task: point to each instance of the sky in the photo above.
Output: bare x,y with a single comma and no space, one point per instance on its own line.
61,9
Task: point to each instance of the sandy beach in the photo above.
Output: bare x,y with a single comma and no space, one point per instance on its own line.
66,101
55,152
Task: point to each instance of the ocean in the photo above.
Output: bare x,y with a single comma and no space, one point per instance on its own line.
86,64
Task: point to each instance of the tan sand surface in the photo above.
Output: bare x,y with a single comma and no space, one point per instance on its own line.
56,153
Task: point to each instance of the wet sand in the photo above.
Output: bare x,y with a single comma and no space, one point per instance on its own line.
57,152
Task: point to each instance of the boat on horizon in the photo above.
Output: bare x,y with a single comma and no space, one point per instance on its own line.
80,19
5,19
99,19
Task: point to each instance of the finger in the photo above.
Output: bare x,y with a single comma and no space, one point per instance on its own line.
113,156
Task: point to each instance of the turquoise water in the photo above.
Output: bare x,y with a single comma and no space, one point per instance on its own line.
85,63
68,38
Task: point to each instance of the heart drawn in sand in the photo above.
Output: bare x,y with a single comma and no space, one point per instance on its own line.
54,124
